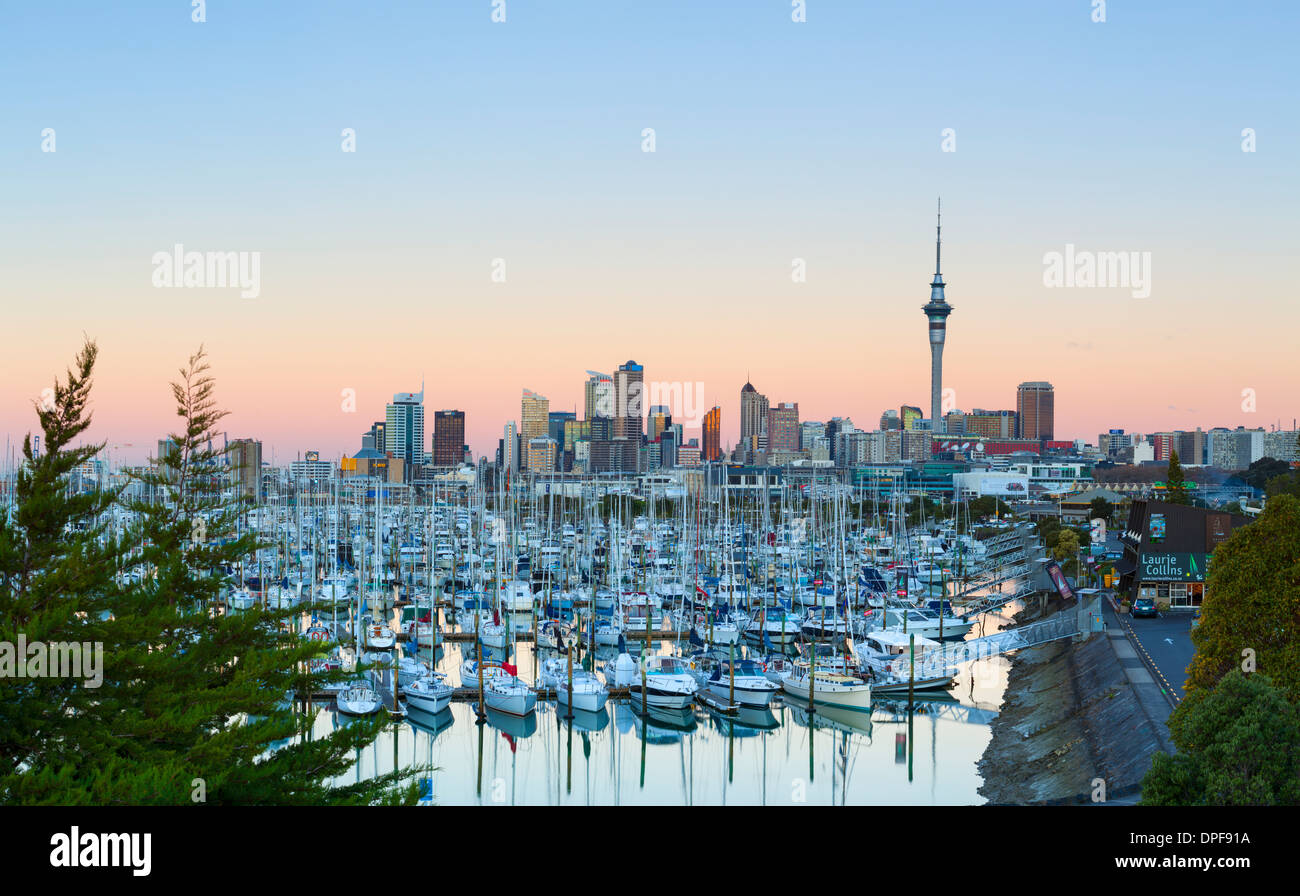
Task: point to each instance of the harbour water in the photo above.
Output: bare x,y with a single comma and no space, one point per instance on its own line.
699,756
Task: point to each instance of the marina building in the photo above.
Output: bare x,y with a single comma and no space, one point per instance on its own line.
1167,548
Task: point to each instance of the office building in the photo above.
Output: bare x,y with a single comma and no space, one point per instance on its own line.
448,438
1036,411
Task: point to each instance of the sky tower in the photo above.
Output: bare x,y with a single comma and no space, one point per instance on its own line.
937,311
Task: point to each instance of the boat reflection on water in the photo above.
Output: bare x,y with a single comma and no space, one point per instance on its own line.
428,723
658,726
585,721
850,721
746,721
512,726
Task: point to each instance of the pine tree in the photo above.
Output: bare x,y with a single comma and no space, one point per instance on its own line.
1176,491
195,704
57,563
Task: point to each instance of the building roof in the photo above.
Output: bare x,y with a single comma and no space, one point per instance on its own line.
1087,497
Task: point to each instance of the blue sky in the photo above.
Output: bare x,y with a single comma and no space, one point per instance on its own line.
774,139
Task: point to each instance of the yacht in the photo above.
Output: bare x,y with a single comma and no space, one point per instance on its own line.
589,692
886,657
429,693
358,700
741,681
669,683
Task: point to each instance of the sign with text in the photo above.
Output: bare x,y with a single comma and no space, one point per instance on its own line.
1173,567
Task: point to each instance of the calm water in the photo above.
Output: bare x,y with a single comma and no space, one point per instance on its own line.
700,757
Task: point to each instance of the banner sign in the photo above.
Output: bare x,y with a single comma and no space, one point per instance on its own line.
1053,570
1173,567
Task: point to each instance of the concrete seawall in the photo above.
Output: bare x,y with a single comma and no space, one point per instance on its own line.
1071,715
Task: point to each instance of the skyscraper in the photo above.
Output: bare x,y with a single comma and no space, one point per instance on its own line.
629,398
534,415
245,459
1036,410
404,428
598,395
659,419
712,450
937,311
753,417
448,438
510,448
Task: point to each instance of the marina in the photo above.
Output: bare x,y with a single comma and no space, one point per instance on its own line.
792,625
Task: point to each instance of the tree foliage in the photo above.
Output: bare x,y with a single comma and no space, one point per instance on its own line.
57,565
1252,603
1176,491
1101,508
195,703
1238,745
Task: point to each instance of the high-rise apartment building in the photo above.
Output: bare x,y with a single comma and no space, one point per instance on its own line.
1191,447
510,448
1036,409
783,427
534,415
1282,444
541,455
244,457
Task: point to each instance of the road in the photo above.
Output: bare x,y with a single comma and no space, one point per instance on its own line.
1167,641
1164,643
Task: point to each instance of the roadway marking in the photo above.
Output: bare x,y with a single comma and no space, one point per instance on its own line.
1168,689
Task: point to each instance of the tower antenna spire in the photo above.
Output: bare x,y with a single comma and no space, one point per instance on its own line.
938,238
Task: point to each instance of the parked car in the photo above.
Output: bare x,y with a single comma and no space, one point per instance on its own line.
1145,606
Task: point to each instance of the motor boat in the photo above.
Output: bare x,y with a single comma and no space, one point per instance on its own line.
926,623
886,656
833,689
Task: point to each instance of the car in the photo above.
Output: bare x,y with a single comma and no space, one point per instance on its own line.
1144,606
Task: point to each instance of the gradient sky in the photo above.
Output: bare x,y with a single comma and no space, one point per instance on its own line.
775,141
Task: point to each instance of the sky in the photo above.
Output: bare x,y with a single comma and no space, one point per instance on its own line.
485,148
